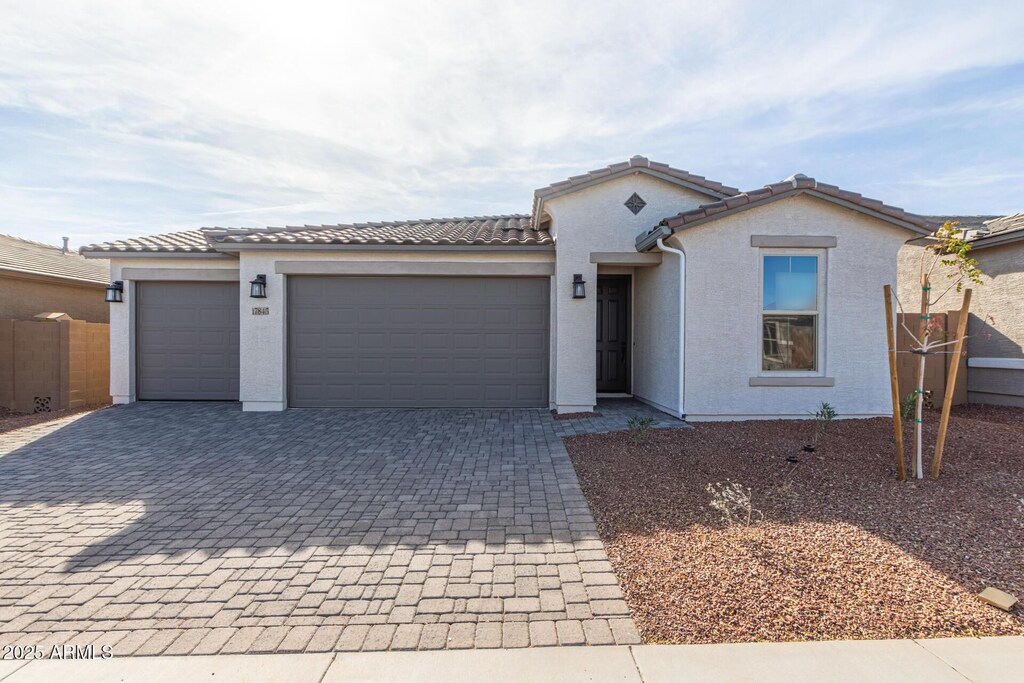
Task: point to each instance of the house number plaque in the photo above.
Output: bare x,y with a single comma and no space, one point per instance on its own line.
261,310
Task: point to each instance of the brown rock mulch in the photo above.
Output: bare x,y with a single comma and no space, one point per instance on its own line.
572,416
844,549
11,420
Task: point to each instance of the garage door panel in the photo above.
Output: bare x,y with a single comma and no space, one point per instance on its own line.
187,340
420,342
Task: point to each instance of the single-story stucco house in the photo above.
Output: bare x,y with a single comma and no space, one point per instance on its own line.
995,329
636,279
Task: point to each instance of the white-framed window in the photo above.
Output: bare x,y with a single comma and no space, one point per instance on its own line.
792,284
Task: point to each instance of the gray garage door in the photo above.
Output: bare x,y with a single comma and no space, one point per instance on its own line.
187,346
417,342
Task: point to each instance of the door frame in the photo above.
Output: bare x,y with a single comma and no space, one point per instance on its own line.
627,279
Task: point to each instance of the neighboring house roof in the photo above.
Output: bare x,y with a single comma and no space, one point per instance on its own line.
999,231
636,164
793,186
511,230
966,222
23,256
189,241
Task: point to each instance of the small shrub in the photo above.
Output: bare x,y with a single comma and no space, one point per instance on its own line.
639,426
734,501
823,417
907,406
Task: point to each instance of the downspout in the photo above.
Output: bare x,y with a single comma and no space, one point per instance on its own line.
682,321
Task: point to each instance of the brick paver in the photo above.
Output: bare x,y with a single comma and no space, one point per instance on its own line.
197,528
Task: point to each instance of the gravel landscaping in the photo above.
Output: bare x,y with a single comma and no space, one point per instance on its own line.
11,420
844,550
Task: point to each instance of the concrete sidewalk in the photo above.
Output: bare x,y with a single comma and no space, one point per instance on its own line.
985,660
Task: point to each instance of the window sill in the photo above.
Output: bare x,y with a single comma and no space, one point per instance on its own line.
792,381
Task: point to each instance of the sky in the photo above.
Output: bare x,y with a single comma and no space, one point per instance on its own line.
120,119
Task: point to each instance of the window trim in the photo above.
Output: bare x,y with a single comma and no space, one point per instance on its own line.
821,327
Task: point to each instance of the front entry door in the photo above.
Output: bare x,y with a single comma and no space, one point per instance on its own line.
613,334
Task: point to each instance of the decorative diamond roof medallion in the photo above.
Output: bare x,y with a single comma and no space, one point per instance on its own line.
635,203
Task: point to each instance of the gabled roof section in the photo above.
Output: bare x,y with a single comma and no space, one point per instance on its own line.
792,186
637,164
186,242
43,260
500,231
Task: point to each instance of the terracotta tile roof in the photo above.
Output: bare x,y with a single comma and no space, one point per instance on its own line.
796,184
189,241
636,163
35,258
511,230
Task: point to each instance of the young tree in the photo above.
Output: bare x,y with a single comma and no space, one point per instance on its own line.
948,249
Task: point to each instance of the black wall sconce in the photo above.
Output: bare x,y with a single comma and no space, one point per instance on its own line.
258,287
115,292
579,287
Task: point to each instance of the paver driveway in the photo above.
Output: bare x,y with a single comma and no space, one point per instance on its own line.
180,528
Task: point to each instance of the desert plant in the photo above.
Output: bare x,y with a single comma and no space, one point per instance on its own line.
907,406
734,501
949,248
823,417
639,426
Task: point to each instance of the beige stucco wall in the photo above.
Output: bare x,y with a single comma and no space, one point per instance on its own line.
595,219
996,325
723,293
656,334
22,298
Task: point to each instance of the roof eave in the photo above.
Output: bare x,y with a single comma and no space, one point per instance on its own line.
348,246
100,254
997,239
61,279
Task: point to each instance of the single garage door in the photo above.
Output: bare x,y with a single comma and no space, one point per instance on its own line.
187,344
417,342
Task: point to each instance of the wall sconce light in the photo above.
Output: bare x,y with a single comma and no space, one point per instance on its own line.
115,292
258,287
579,287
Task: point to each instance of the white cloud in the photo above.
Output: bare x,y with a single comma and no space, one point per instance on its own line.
275,112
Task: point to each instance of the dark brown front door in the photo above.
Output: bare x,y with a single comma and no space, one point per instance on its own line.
613,334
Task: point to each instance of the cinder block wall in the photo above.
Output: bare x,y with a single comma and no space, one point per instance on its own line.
51,365
7,364
37,366
88,364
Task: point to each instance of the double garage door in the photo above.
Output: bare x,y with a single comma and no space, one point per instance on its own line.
417,342
357,341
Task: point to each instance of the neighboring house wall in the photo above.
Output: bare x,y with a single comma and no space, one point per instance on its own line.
723,297
122,316
595,219
22,297
996,326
